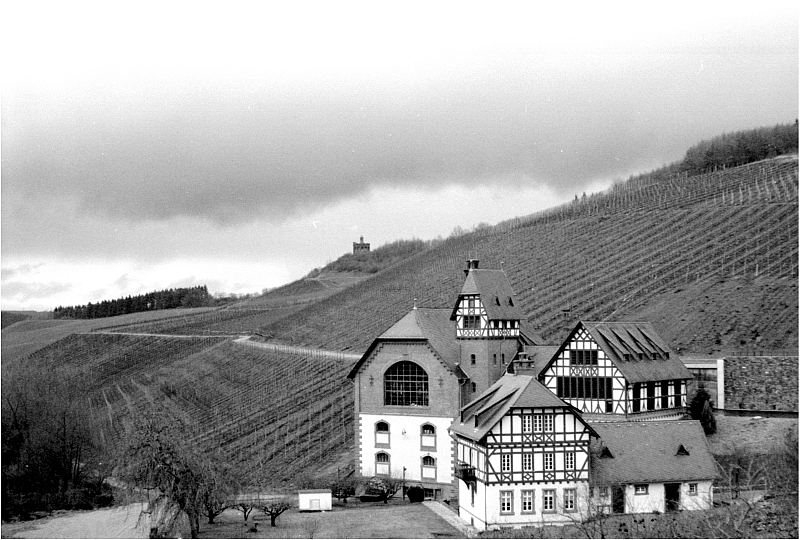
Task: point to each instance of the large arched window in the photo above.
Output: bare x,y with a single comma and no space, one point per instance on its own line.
406,384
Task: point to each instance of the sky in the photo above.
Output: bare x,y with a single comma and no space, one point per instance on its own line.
239,145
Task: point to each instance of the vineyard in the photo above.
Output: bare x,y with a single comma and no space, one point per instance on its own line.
710,260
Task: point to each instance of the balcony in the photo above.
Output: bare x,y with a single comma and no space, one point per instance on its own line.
465,472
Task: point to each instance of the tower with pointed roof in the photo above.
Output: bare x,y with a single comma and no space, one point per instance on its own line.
414,378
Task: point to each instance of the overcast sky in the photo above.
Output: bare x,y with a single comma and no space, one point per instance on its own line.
240,145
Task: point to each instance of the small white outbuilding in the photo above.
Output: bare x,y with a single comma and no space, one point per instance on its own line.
314,500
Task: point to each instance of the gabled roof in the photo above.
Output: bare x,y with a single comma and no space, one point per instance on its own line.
479,416
497,295
430,325
646,452
635,348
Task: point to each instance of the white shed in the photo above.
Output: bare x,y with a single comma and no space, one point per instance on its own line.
314,500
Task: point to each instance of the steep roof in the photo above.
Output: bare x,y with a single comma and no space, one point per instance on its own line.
497,295
479,416
650,452
635,348
422,324
540,355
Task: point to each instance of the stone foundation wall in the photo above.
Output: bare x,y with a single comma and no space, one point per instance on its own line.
764,383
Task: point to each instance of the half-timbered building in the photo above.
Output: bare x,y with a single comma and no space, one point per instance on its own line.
522,456
413,379
618,370
657,466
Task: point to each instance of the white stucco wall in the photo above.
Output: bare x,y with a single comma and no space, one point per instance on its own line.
405,446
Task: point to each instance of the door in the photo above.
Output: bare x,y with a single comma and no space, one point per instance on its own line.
618,499
314,504
672,497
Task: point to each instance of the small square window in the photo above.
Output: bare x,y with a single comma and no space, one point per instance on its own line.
604,491
692,489
640,489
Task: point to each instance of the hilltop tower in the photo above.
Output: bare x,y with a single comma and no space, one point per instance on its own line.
360,247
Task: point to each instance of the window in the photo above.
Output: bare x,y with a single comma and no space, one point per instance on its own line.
640,489
537,423
635,402
428,437
549,500
569,460
548,422
692,489
527,461
503,358
604,491
472,359
527,501
382,464
474,387
584,387
494,359
583,358
526,423
569,500
472,491
651,396
471,303
382,434
665,394
548,461
506,502
428,467
472,322
405,384
505,462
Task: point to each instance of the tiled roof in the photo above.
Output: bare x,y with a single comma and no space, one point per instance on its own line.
540,355
519,391
648,452
423,324
529,334
497,295
637,351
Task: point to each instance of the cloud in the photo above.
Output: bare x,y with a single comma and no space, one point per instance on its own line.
20,270
19,292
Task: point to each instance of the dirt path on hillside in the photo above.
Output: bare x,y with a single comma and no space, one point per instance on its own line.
119,522
338,355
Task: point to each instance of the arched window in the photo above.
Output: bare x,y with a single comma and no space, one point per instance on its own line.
382,463
405,384
429,468
382,434
428,438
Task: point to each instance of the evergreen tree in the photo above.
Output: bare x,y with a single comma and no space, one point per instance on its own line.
701,409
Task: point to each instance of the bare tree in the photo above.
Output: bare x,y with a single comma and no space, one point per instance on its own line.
275,508
157,457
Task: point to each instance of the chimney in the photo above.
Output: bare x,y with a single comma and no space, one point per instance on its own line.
472,264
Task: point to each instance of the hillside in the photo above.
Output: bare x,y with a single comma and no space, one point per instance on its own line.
710,260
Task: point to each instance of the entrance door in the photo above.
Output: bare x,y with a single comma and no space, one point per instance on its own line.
672,496
618,499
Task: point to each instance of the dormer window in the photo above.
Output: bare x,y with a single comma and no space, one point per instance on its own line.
496,300
682,451
510,301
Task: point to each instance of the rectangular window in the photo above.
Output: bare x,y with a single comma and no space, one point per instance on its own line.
506,502
569,460
548,422
472,322
640,489
527,501
651,396
548,461
505,462
537,423
527,461
583,358
636,393
569,500
604,491
548,500
692,489
526,423
665,394
472,492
